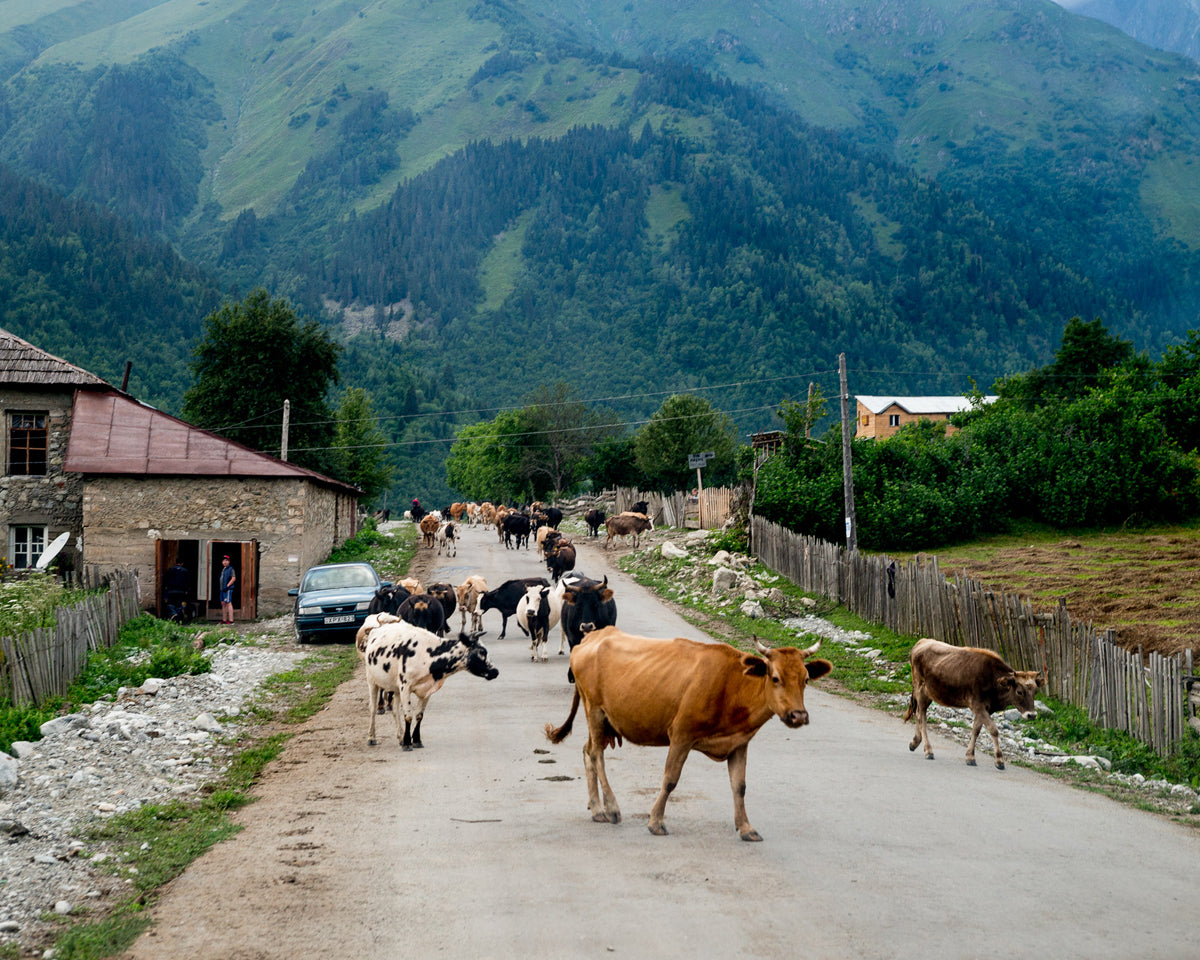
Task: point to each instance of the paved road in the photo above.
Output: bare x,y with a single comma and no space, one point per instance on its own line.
481,845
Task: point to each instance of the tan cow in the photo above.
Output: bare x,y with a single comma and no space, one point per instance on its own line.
967,677
469,593
683,695
429,528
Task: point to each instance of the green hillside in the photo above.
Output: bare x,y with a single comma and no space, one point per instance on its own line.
634,198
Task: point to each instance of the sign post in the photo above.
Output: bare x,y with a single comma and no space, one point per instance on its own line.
698,461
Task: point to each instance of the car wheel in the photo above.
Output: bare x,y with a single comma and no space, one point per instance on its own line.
302,636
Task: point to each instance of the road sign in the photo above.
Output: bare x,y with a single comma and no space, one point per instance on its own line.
698,461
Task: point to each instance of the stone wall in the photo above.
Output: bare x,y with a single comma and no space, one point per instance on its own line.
296,523
52,500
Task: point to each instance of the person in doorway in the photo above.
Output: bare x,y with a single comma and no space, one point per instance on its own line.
178,583
228,579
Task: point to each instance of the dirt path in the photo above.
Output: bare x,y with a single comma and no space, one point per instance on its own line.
480,845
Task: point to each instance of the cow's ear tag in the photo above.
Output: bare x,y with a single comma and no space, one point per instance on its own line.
755,666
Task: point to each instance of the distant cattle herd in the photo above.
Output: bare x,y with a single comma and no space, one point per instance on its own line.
681,694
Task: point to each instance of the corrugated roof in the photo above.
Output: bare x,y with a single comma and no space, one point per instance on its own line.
114,434
21,363
919,405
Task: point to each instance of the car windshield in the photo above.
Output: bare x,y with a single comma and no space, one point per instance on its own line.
339,578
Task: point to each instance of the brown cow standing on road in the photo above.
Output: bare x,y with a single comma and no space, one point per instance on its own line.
967,677
625,525
684,695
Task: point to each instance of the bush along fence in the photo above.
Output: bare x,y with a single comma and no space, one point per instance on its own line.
1119,689
43,663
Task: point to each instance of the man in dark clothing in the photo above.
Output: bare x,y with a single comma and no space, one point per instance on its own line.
178,583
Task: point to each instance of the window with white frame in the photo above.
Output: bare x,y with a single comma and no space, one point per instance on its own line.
893,419
27,444
25,544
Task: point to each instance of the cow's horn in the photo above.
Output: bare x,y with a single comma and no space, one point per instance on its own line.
761,647
811,650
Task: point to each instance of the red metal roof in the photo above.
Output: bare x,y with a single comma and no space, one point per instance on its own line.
112,433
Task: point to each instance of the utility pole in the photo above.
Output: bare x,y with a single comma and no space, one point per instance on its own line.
287,415
847,467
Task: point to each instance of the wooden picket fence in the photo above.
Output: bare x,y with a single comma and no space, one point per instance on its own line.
43,663
1119,689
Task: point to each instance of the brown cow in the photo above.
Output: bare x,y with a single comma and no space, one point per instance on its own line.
967,677
469,593
627,524
429,527
683,695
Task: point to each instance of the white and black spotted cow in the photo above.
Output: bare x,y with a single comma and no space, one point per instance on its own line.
414,663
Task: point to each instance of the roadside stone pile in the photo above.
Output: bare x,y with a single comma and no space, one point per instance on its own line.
725,579
151,744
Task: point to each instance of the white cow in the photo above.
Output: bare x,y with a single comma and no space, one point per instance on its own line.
414,663
538,612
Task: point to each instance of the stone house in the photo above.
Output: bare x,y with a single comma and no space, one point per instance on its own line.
881,417
139,489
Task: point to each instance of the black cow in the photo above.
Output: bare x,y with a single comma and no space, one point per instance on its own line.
553,516
560,559
587,605
506,597
388,598
424,610
640,507
595,520
447,597
516,527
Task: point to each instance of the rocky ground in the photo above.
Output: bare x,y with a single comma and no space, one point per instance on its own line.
161,741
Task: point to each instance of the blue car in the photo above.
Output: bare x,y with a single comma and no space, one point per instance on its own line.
333,599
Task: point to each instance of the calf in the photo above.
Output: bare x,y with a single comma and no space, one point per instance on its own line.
506,597
413,663
425,611
447,537
967,677
469,593
594,520
627,524
543,605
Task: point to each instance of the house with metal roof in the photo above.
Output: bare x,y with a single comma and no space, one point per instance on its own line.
135,488
881,417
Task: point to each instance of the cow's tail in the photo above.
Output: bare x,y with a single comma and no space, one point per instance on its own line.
561,733
912,708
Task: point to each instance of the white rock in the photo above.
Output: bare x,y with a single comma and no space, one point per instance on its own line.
152,685
62,908
724,579
720,559
753,609
71,721
23,749
9,773
206,721
669,549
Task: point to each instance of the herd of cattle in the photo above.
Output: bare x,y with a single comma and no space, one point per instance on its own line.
680,694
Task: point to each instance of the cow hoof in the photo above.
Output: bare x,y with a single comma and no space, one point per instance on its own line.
912,747
752,837
929,756
418,746
970,761
657,829
999,764
601,817
371,742
407,748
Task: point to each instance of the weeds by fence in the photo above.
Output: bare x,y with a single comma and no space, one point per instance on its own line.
1084,667
43,663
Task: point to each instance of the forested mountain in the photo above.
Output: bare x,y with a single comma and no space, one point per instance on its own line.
1166,24
488,195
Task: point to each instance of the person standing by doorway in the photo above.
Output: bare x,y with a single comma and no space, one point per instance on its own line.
228,579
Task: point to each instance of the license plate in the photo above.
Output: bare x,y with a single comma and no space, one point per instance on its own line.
341,618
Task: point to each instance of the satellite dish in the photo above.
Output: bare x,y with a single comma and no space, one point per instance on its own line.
52,551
